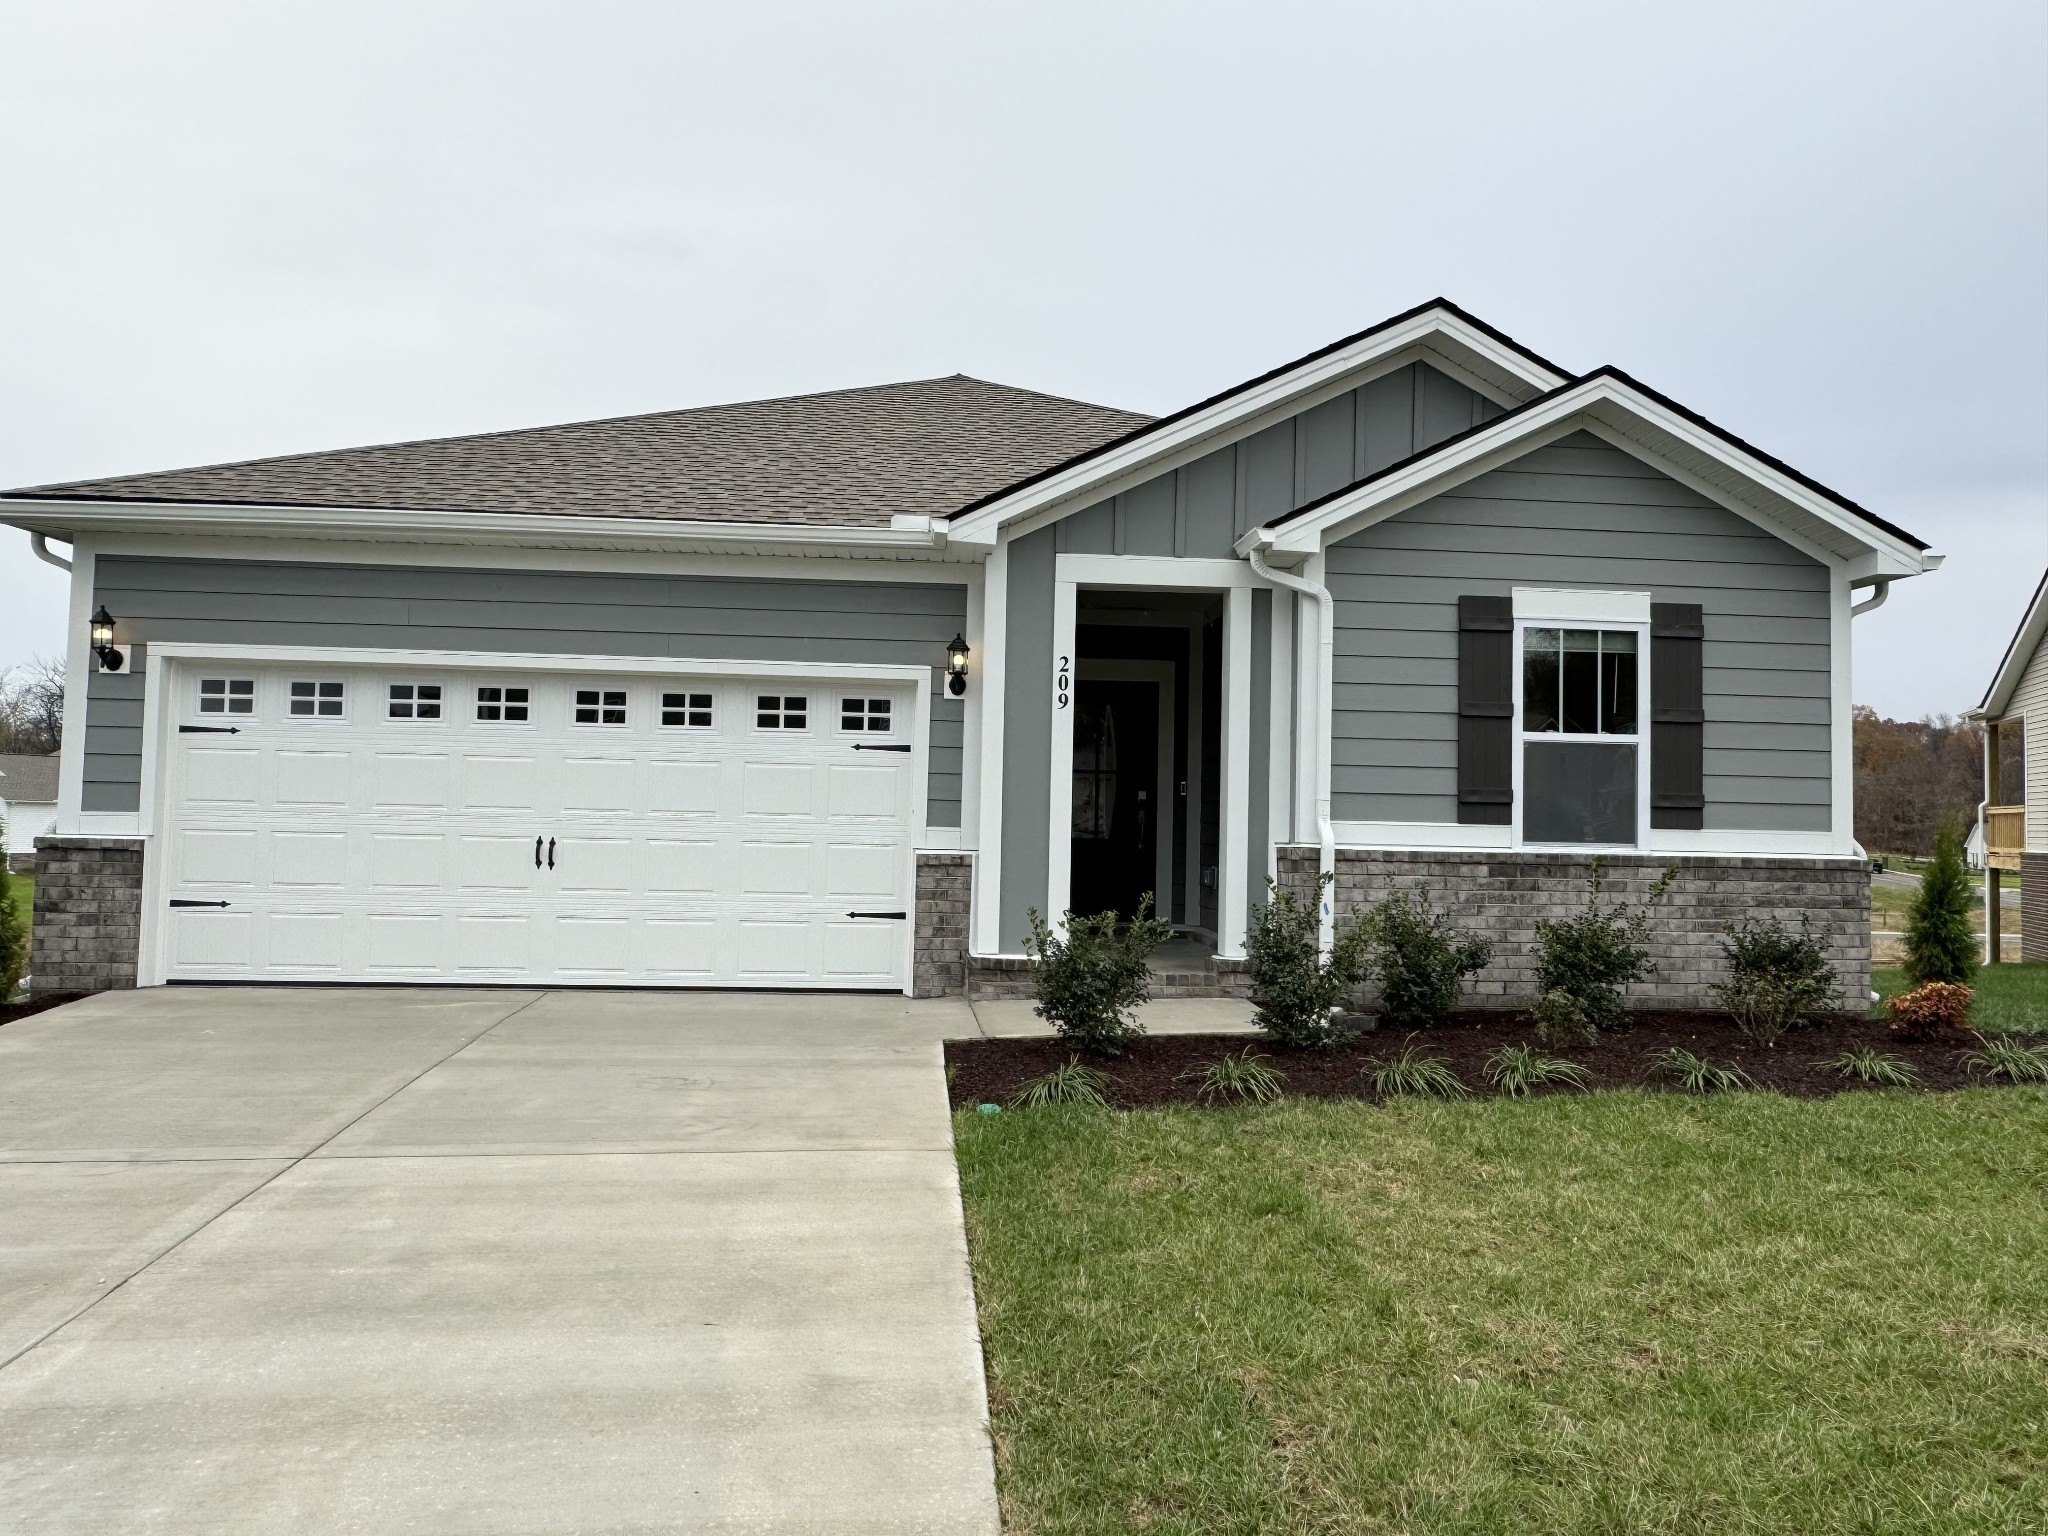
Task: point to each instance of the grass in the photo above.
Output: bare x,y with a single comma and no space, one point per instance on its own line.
2009,996
1888,905
1074,1082
1617,1313
22,890
1881,1069
1246,1078
1695,1074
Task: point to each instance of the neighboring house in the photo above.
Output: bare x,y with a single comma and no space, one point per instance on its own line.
2013,820
28,804
673,699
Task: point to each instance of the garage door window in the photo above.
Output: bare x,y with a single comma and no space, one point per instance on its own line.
864,715
414,701
691,710
227,695
313,700
782,711
502,705
600,706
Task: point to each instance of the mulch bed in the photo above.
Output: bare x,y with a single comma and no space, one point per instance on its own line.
9,1012
1153,1071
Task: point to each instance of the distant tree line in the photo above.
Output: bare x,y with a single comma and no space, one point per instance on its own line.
32,707
1911,774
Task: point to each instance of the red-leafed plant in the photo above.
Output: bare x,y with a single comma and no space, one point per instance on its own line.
1931,1010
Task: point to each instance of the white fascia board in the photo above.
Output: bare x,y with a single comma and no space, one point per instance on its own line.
1619,414
1496,370
2026,641
408,525
504,661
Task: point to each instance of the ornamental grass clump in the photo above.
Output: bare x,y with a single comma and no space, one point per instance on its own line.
2009,1059
1519,1070
1246,1078
1295,988
1075,1082
1867,1064
1091,978
1940,943
1414,1075
1695,1074
1776,978
1934,1010
1583,961
1419,960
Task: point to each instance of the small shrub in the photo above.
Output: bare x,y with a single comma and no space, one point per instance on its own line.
1776,979
13,931
1420,962
1074,1083
1695,1074
1561,1019
1294,986
1931,1010
1866,1063
1247,1078
1591,955
1517,1071
1089,981
1940,944
1414,1075
2010,1060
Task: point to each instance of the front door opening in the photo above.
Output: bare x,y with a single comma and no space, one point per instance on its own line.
1116,811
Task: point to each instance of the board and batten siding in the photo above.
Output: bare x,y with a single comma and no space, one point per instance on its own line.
408,608
1201,509
1579,513
2030,706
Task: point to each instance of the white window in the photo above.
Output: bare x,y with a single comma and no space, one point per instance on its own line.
600,706
308,699
414,701
686,709
227,695
864,715
505,705
1582,760
782,712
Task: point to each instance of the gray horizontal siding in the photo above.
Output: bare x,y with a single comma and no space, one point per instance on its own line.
1201,509
1579,513
543,612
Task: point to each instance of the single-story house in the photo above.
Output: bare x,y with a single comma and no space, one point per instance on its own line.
28,803
834,690
2012,822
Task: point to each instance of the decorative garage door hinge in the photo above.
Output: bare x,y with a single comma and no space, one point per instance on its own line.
176,902
899,916
881,746
209,730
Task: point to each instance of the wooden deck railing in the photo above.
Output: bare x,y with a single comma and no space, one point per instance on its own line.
2005,835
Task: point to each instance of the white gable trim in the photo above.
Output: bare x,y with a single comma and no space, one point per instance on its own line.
1617,412
2026,640
1436,336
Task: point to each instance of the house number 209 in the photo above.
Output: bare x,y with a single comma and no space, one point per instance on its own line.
1062,681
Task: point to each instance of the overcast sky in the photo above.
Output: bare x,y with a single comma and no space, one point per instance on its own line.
236,230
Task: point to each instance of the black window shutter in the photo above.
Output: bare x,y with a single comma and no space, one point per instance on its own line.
1486,710
1677,717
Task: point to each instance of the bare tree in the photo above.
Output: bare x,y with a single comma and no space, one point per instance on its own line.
32,707
1910,775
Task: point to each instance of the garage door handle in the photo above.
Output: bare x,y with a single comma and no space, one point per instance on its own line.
551,853
899,916
176,902
881,746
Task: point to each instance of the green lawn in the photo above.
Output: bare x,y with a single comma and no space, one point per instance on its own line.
22,889
2008,996
1621,1313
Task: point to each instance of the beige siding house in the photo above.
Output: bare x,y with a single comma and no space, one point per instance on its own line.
2015,830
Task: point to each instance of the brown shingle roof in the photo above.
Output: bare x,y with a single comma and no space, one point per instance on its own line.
848,457
27,780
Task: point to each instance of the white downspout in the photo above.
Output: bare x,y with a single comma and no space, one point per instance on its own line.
42,549
1326,650
1881,590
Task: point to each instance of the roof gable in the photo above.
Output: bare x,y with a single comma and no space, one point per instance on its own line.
844,458
2019,654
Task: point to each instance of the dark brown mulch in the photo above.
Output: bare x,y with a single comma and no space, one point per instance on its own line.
1152,1070
9,1012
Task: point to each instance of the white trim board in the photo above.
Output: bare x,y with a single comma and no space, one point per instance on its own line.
1540,605
1452,837
524,661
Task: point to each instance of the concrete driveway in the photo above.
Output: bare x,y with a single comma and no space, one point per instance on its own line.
454,1262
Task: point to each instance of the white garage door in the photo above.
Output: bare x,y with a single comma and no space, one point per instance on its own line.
489,826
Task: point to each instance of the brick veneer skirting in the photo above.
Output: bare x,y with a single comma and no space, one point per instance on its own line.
1500,896
2033,906
88,922
945,888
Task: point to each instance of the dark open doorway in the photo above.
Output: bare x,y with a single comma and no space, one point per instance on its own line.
1116,796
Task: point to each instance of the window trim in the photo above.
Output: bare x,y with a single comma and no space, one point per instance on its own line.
663,707
1639,739
200,679
316,718
416,718
476,703
782,712
867,715
624,706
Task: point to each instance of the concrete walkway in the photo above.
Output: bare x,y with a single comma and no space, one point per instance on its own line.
464,1262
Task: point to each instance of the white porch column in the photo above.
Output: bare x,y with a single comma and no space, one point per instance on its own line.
1235,797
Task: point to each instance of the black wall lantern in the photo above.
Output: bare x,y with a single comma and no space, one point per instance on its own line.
956,666
103,640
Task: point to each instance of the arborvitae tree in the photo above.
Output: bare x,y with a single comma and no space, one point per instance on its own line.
1940,944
